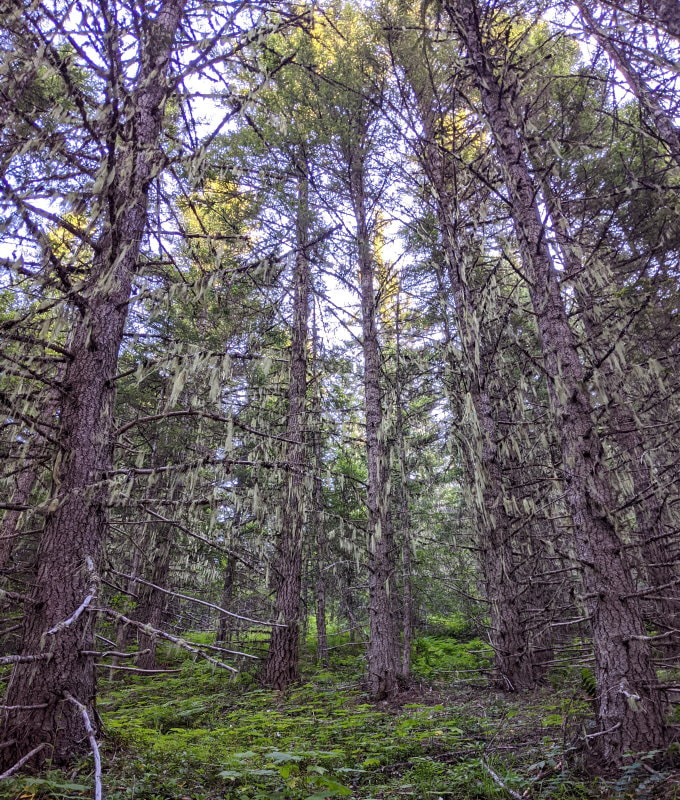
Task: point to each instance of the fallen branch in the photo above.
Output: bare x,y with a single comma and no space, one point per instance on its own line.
137,669
151,631
20,763
87,722
23,708
200,602
499,782
115,653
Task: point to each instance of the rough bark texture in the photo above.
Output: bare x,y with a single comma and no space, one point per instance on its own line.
656,562
281,666
75,525
318,512
383,645
629,710
407,612
512,655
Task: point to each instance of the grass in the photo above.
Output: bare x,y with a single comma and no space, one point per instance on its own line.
199,735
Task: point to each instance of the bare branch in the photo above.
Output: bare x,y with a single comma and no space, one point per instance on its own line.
20,763
87,722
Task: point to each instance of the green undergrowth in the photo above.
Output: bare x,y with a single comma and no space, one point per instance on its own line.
200,735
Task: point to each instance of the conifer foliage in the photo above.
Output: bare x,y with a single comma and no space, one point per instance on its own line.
343,313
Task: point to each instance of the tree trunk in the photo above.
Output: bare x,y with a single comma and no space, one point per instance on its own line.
513,665
150,609
281,666
407,613
662,121
383,644
656,561
75,525
629,709
318,510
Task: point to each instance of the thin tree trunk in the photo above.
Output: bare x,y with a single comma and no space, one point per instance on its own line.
629,709
150,609
383,645
318,510
407,614
224,622
75,526
281,667
122,630
636,83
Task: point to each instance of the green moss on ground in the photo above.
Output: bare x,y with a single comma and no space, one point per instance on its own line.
199,735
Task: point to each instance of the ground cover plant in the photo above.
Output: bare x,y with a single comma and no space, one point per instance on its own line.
339,400
193,734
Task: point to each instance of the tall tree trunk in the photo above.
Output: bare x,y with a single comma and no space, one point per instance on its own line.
318,509
150,609
223,625
383,644
656,561
407,613
281,667
513,665
122,629
228,584
57,626
629,709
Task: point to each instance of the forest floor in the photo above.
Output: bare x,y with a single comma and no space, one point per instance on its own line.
198,735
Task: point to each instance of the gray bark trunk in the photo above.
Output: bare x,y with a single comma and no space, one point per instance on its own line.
656,560
383,645
512,655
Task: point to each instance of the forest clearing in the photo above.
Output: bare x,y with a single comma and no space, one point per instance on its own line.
339,399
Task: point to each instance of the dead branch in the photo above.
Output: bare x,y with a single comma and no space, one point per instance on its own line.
20,763
87,722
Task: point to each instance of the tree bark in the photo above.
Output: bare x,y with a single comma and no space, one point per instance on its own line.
150,609
75,525
629,709
383,644
318,510
656,561
407,612
281,667
514,670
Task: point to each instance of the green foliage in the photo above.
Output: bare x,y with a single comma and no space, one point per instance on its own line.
436,656
198,736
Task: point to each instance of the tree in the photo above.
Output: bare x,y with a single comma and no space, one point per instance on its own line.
629,709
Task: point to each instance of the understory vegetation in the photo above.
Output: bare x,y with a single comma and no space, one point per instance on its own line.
194,735
339,399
